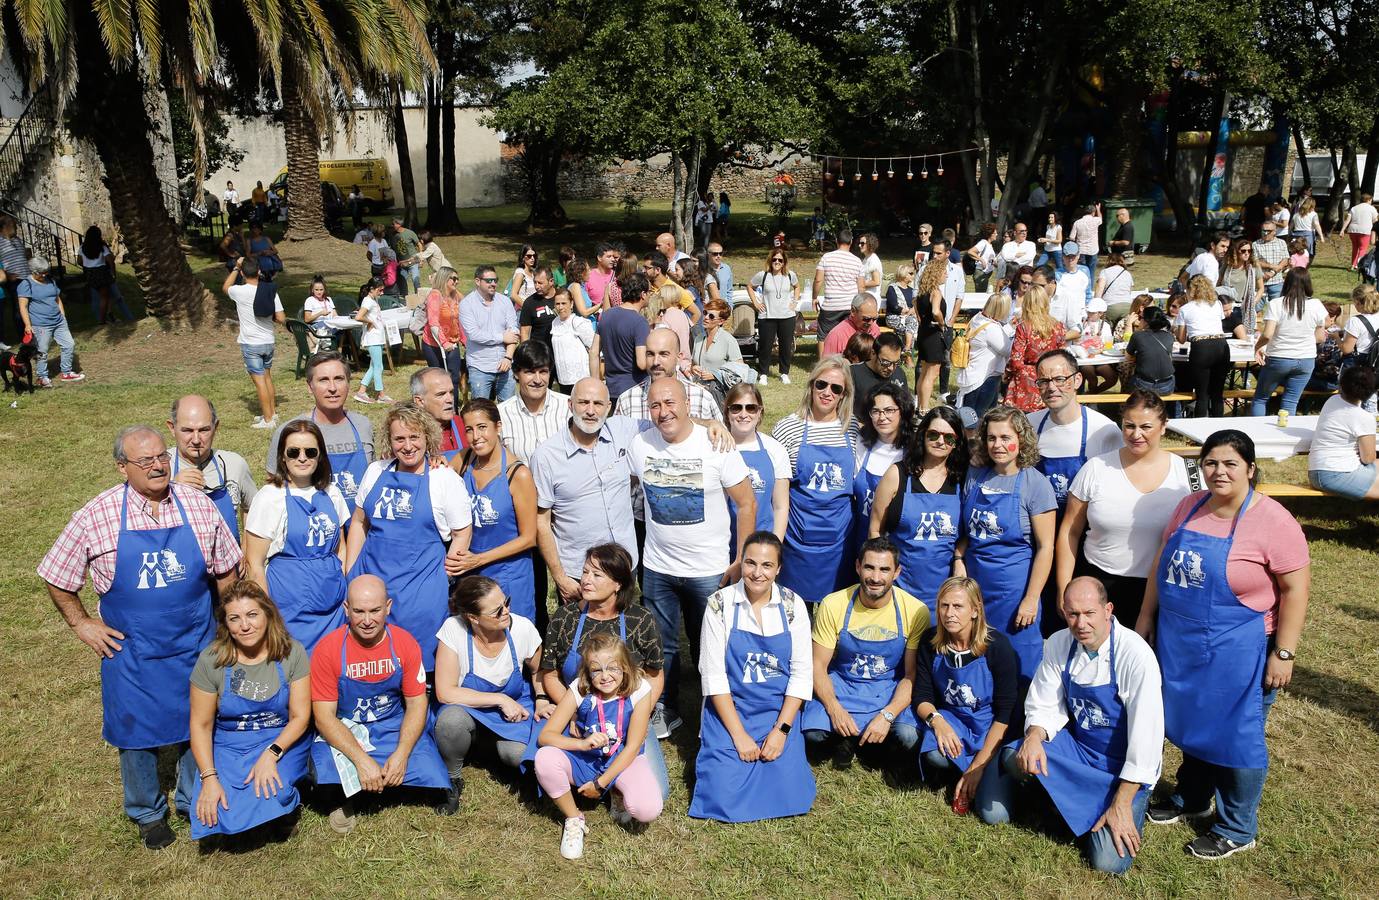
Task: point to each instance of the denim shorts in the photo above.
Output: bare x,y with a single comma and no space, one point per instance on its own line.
1353,484
258,358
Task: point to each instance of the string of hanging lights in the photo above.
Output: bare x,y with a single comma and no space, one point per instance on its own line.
828,163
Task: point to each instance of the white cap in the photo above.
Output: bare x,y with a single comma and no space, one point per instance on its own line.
1096,304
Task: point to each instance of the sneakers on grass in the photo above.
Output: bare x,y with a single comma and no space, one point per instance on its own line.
69,377
261,423
1166,812
785,379
572,838
1213,846
156,835
664,721
341,820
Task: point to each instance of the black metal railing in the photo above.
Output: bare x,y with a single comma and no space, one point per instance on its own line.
30,136
45,236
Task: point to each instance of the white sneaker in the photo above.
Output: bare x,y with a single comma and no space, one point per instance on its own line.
261,422
785,379
572,838
763,378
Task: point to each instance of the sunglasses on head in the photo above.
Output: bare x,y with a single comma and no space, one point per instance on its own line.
821,385
735,408
308,452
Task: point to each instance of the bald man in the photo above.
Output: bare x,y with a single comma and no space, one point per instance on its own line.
662,361
368,702
222,475
687,483
665,245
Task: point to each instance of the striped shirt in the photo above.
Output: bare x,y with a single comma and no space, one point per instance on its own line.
790,432
91,537
1272,252
702,404
523,429
841,270
13,258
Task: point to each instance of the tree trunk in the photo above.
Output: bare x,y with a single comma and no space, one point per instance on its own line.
1126,99
966,127
1371,160
110,111
1021,168
1302,158
541,160
305,214
1221,106
449,205
1340,180
404,161
433,155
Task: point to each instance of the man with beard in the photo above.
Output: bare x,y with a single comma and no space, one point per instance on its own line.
662,351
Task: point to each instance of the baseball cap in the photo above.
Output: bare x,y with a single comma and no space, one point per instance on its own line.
1096,304
969,417
1070,248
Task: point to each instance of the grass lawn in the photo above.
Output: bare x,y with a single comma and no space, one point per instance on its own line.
63,832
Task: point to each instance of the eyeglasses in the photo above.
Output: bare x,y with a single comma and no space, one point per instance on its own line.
529,256
778,260
866,320
884,363
735,408
148,462
308,452
885,412
1026,282
715,253
933,436
711,315
489,280
1058,381
502,610
821,385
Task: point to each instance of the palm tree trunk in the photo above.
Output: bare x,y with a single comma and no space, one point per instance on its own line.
404,161
305,214
433,154
110,111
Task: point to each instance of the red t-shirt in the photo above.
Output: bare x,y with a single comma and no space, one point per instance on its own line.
448,435
365,663
1268,542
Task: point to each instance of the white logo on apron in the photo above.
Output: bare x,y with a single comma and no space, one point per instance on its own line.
1087,714
484,512
320,529
1185,569
393,503
1060,484
826,477
158,568
760,666
955,694
982,525
346,483
934,525
868,666
758,483
371,709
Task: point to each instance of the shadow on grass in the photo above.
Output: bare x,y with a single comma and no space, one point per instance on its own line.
1363,613
1357,533
1343,695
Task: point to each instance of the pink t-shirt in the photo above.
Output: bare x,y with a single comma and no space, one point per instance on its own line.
1300,260
837,340
595,284
1268,542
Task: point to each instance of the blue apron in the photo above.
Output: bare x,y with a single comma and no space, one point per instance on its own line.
379,707
763,477
591,716
404,548
495,523
516,687
726,788
813,561
1085,758
160,598
219,495
926,535
965,706
999,558
864,674
1061,470
243,730
347,469
863,496
304,578
1212,649
459,441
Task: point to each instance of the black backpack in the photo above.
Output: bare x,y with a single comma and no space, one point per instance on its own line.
1371,356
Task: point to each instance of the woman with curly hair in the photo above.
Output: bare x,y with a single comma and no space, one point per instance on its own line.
1036,333
1009,511
932,312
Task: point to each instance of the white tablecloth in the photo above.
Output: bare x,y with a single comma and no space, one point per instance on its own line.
394,321
1271,442
1241,352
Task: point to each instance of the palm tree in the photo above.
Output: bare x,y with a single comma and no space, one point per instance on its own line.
104,55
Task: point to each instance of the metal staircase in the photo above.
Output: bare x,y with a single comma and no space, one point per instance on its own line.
26,148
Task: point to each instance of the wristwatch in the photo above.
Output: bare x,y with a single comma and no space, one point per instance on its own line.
929,719
275,750
784,727
1285,655
888,715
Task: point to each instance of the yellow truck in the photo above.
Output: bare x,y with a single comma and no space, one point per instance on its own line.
369,173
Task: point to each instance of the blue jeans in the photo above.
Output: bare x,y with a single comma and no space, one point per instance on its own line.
994,802
907,736
144,800
410,273
1273,291
1354,485
1293,374
984,396
1053,256
117,303
1237,791
666,596
63,336
495,386
258,358
1089,260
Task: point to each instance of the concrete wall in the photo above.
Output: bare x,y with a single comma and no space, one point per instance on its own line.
478,176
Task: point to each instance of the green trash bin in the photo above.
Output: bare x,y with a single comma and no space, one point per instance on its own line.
1141,216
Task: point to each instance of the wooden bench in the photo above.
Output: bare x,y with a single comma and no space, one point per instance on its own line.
1291,490
1249,394
1097,399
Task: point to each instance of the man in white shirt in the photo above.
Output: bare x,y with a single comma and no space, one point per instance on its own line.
256,333
1359,225
687,483
1069,433
535,412
222,475
230,197
837,279
1094,731
1020,251
1072,290
1209,264
665,245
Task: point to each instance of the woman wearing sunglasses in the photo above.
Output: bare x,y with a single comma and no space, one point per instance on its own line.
768,465
717,347
292,541
487,659
919,504
819,440
775,292
523,280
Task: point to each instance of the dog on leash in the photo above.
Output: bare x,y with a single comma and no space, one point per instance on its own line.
17,368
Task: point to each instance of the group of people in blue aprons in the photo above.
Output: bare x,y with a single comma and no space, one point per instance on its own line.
891,597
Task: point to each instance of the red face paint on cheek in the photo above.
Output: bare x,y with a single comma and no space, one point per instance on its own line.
1013,447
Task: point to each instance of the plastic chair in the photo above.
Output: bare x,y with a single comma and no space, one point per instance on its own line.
298,330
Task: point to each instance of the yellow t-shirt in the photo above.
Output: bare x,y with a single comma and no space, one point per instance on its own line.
869,624
686,298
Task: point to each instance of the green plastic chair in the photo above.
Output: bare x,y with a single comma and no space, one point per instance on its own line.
298,330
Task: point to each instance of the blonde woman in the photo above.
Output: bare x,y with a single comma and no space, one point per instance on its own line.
408,513
988,343
1036,333
1307,226
1200,324
900,305
819,439
932,312
663,311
